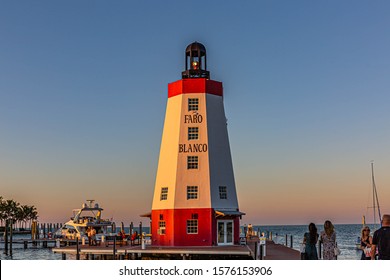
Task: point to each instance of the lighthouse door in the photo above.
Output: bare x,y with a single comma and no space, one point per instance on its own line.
225,232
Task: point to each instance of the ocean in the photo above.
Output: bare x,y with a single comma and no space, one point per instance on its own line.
347,235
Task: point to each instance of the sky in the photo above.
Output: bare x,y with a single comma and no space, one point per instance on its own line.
83,92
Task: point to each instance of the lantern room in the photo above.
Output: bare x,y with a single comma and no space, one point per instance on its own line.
195,62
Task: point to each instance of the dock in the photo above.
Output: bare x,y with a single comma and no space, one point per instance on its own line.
41,242
280,252
154,252
248,251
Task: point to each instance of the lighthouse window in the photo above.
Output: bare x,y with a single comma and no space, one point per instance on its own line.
164,194
192,162
193,133
161,227
222,192
193,104
192,192
192,226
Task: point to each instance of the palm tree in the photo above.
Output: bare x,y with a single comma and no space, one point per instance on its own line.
23,215
32,214
13,211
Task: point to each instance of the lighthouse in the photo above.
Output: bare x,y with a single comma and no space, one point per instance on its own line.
195,199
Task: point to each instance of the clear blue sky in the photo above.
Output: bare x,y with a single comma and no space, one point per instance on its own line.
83,89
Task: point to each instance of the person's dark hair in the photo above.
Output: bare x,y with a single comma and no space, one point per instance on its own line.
313,233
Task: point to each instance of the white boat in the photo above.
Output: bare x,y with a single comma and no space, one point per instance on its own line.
89,215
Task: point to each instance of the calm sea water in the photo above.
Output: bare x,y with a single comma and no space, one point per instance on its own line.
346,239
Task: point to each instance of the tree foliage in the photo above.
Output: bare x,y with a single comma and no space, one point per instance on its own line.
16,213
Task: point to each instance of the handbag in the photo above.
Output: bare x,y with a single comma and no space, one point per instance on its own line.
302,248
337,250
367,252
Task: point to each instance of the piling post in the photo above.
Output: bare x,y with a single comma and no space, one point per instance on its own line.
140,232
77,249
10,237
64,256
114,248
261,252
37,232
33,229
255,257
25,244
6,238
143,242
44,230
286,240
291,241
113,227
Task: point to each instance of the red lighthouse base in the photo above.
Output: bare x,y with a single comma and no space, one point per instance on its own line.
189,227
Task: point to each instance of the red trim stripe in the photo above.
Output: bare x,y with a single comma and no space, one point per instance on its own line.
198,85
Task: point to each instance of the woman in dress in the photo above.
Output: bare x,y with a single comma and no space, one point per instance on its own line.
365,243
310,239
328,239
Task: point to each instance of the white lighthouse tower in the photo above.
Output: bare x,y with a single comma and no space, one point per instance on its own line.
195,200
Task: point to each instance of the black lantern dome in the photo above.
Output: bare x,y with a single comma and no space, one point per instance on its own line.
195,62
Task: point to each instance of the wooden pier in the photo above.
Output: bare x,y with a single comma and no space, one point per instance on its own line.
121,251
42,242
280,252
153,252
